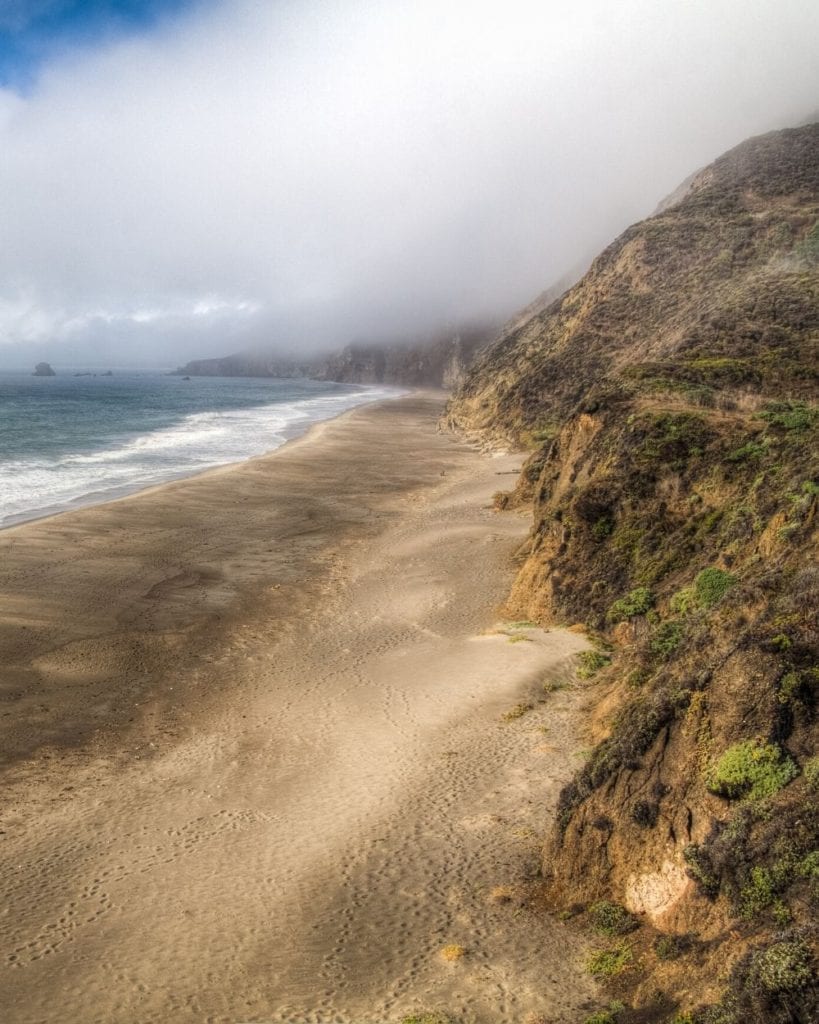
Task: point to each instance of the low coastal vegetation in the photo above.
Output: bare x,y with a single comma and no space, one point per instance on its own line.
428,1018
518,711
675,499
589,663
751,770
607,1016
608,963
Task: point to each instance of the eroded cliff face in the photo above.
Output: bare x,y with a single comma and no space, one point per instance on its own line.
669,403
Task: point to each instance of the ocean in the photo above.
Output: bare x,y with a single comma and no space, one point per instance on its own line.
68,441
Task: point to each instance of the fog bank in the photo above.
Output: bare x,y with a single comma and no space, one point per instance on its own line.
297,174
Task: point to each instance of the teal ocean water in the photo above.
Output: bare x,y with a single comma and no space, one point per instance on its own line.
67,441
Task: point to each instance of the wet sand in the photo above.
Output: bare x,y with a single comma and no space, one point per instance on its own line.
257,761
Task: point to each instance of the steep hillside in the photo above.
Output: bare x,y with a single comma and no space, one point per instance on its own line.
717,291
669,401
440,362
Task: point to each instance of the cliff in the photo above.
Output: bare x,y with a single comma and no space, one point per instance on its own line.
669,404
440,362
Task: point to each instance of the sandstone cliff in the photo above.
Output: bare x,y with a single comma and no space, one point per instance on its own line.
669,403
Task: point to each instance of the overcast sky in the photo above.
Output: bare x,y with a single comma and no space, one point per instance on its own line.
181,179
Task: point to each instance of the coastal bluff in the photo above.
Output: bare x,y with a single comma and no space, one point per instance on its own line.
667,409
438,362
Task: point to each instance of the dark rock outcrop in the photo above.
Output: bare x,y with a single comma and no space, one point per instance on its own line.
44,370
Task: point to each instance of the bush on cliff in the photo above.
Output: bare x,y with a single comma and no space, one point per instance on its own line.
752,770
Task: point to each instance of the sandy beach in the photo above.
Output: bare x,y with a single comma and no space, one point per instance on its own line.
267,746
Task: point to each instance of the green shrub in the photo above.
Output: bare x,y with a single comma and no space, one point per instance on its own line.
428,1018
774,984
758,894
670,438
812,772
751,451
781,913
607,963
610,1016
751,770
782,967
683,601
710,521
636,602
637,677
545,433
789,690
590,663
611,918
666,638
808,868
711,585
701,869
789,415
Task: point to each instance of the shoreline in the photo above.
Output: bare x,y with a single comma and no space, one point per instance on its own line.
128,491
260,763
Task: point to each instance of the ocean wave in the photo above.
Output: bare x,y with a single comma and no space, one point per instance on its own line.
35,487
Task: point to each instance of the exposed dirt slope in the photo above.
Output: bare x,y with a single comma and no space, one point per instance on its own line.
669,400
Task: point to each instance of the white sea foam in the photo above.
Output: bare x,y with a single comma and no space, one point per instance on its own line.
35,487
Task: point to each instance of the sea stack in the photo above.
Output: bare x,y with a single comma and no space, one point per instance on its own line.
44,370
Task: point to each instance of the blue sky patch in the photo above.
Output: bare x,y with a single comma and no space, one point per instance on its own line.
34,31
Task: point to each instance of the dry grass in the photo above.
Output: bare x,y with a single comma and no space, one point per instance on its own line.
518,711
452,953
501,894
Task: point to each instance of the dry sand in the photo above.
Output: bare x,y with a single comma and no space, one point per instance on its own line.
256,761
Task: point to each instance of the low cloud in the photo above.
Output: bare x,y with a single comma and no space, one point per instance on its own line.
295,174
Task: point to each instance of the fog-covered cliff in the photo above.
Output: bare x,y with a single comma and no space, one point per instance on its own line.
439,362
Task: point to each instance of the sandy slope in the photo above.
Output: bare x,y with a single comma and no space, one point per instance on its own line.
257,766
